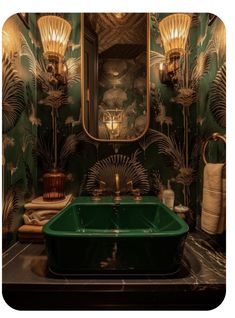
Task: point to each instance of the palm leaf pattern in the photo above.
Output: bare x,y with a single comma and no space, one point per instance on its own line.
217,100
73,70
201,67
148,139
37,67
42,149
68,149
128,169
56,98
217,44
156,58
82,136
11,205
167,146
13,102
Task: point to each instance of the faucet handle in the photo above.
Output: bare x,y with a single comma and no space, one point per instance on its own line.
136,193
117,196
129,186
96,194
102,186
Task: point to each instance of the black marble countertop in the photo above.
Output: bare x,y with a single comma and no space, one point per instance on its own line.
27,283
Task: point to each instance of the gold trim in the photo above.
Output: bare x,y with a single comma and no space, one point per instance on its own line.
216,136
147,91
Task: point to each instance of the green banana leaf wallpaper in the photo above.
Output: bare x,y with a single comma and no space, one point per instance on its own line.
182,117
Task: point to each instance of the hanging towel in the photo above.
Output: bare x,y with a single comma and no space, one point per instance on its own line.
214,199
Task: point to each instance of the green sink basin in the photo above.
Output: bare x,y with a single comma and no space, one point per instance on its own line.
104,237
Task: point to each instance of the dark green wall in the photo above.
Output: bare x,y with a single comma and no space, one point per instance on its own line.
18,167
167,126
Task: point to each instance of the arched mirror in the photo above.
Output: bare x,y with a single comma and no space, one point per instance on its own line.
115,75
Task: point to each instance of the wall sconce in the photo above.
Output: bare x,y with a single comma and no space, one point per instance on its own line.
112,118
174,31
55,32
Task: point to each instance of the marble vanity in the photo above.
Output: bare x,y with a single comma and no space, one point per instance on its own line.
200,284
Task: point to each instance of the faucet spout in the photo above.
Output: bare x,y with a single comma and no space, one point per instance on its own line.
117,182
117,188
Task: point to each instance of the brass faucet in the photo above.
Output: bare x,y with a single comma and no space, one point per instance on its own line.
135,192
97,192
117,192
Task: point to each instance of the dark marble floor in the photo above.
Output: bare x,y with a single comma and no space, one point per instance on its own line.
200,284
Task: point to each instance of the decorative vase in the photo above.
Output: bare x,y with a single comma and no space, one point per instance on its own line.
53,185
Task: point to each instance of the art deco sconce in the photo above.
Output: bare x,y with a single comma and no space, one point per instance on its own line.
55,32
174,31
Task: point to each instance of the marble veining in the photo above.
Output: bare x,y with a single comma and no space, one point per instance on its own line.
203,266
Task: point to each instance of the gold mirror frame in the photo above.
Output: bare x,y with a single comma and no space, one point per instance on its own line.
147,90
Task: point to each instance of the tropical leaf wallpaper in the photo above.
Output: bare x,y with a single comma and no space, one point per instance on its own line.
182,118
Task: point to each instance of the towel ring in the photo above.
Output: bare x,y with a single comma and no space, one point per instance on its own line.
215,137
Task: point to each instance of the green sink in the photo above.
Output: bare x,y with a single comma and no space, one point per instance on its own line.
106,237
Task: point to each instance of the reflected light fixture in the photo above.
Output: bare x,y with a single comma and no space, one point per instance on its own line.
174,31
112,118
54,32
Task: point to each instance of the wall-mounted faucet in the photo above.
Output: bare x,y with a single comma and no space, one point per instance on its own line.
117,197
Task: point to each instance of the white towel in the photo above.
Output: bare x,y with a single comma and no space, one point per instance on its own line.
38,217
40,204
214,199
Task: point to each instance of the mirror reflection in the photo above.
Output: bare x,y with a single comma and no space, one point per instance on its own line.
115,75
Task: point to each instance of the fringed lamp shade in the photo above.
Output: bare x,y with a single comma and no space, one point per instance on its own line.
174,31
55,32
